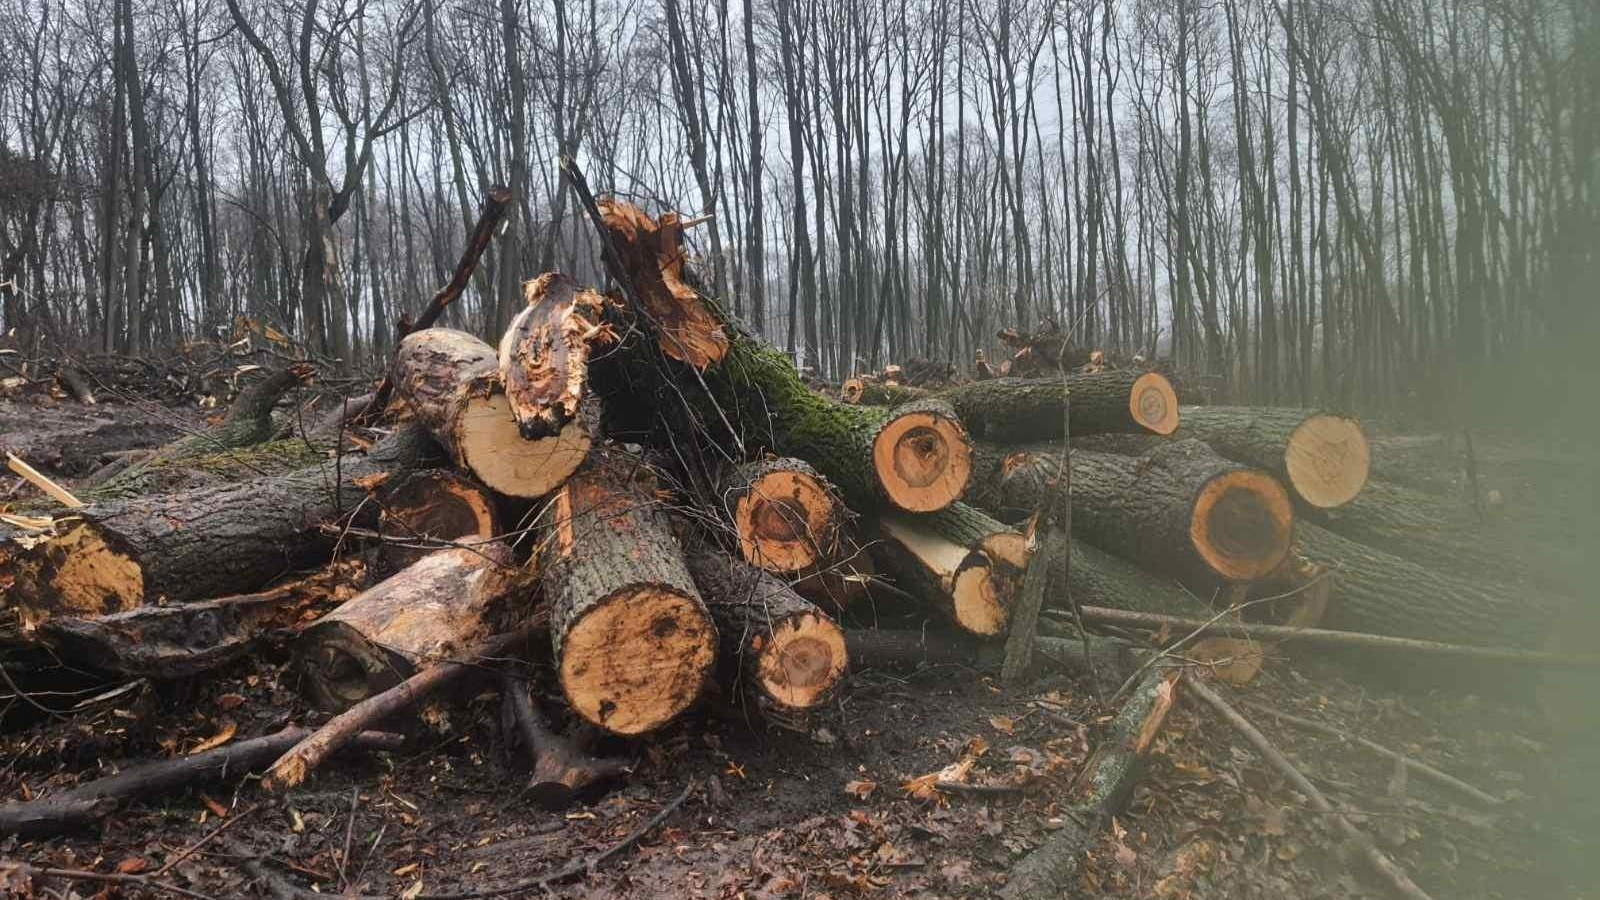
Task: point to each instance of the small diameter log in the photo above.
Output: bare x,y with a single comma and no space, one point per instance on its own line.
787,515
422,509
544,354
75,383
960,560
183,641
1015,410
789,655
113,557
561,770
432,611
633,641
1322,457
1181,509
449,379
97,799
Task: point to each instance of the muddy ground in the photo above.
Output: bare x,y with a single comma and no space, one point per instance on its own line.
772,813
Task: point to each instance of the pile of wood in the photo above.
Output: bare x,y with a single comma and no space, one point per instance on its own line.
630,488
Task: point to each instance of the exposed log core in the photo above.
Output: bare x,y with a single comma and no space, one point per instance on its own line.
1011,410
449,381
113,557
922,457
789,654
652,251
544,355
633,641
432,611
1323,458
967,564
435,505
787,515
1180,509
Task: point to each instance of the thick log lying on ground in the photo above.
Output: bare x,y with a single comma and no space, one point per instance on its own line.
430,612
97,799
1012,410
966,564
114,557
248,422
449,379
1382,593
421,509
789,655
914,458
1181,509
633,641
208,470
544,354
787,515
183,641
1323,458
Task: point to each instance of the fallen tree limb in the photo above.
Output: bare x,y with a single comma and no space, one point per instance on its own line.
306,755
561,770
1381,865
96,799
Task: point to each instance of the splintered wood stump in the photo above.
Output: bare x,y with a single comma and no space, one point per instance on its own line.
112,557
430,612
1181,509
449,379
960,560
787,515
420,509
633,641
1012,410
544,355
1322,457
789,654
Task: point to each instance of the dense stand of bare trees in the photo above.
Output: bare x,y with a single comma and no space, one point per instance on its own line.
1299,200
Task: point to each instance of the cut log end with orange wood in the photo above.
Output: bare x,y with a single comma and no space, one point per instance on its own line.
922,456
425,614
450,381
422,509
1324,458
633,641
544,354
790,655
1014,410
787,515
652,252
965,563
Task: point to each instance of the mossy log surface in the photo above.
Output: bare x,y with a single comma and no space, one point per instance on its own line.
175,548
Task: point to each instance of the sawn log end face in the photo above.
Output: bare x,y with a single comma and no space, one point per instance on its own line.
1242,524
1153,403
77,573
802,661
787,521
1327,460
492,446
671,650
923,457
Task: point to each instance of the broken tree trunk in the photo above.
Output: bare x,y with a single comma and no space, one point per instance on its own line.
177,548
430,612
633,641
787,515
544,355
1323,458
421,510
789,655
1181,509
966,564
1014,410
182,641
450,381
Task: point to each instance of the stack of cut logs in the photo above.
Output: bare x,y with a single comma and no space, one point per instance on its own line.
660,499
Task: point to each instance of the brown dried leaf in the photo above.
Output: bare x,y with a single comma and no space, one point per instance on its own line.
861,790
133,865
1003,724
224,734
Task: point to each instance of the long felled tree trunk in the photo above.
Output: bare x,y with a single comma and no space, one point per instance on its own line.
1322,457
1012,410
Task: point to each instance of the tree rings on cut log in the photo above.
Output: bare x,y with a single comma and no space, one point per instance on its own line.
1327,460
972,578
922,456
1153,403
1241,524
801,658
633,641
850,391
493,448
787,515
433,506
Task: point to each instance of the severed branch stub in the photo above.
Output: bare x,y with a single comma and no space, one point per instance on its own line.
544,354
561,770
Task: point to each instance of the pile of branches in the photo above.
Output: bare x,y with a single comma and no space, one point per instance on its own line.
631,489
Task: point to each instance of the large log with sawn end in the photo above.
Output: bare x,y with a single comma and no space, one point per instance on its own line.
1011,410
959,560
1322,457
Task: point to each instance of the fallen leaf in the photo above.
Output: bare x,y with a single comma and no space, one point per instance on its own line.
1003,724
230,701
217,809
1127,857
1287,852
413,892
405,870
224,735
133,865
861,790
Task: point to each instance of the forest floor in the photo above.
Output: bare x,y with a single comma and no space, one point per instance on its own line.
773,813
